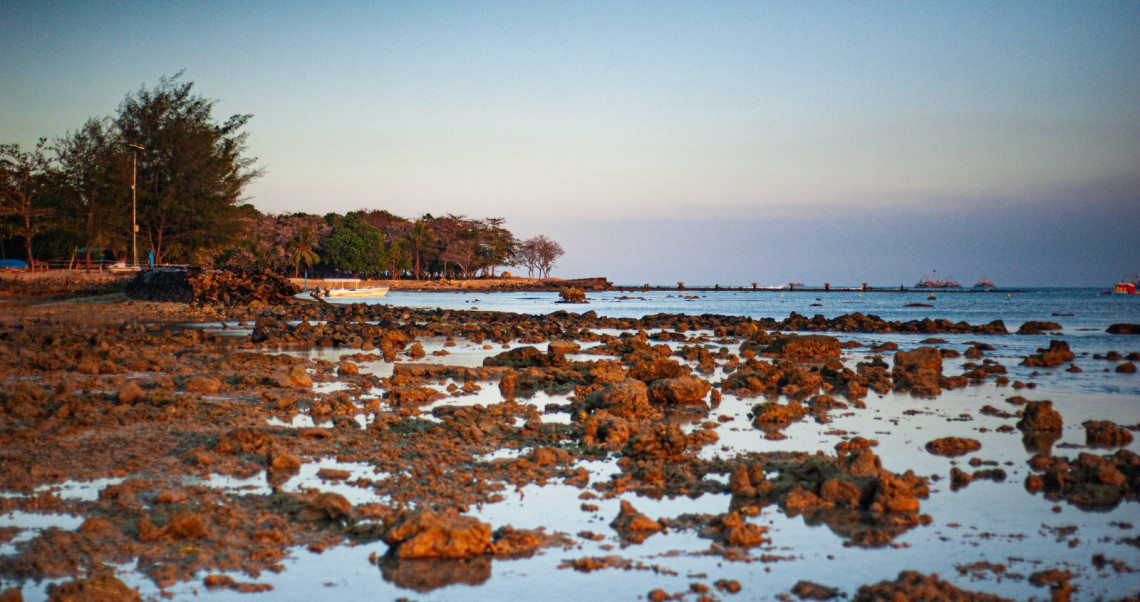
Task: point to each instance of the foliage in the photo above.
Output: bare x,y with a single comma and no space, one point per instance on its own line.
192,171
23,179
421,243
353,247
93,177
538,254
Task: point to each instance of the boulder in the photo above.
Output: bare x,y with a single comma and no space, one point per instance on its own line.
806,347
103,587
295,377
953,446
1104,433
1040,416
525,357
426,534
919,371
656,368
1032,327
130,392
1056,354
1124,329
683,390
206,384
912,585
627,399
325,506
572,295
634,526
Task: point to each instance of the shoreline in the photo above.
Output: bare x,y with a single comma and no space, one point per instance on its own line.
212,442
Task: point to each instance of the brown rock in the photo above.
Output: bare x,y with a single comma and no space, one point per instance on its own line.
841,493
1124,329
1126,368
798,500
740,533
1040,416
656,368
563,347
683,390
295,377
1103,433
959,478
953,446
325,506
920,370
130,392
634,526
1032,327
101,587
1056,354
203,384
626,399
806,347
915,586
425,534
806,590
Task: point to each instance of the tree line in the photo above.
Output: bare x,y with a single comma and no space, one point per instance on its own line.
165,163
378,244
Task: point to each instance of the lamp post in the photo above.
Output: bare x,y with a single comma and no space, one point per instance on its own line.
134,219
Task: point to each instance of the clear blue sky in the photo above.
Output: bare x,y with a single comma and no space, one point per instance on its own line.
709,142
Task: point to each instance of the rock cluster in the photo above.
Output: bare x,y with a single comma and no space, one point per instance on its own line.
1054,355
207,286
919,371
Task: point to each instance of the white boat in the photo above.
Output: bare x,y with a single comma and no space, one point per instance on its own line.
342,288
364,291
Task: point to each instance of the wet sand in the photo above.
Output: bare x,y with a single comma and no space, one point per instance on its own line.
349,451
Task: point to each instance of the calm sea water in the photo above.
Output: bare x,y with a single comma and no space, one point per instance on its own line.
1082,313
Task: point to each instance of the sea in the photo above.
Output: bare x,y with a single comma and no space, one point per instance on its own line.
989,537
1084,315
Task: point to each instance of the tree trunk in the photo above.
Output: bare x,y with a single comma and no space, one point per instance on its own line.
28,242
90,222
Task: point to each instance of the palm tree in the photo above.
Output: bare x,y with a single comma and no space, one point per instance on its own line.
302,250
420,240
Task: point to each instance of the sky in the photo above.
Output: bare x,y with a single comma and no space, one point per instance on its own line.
705,142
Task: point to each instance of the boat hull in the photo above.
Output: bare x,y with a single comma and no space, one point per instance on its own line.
353,293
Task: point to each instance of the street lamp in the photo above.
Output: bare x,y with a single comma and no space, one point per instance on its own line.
134,219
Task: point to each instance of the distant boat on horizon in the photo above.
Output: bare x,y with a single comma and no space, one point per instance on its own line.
984,282
932,281
1127,285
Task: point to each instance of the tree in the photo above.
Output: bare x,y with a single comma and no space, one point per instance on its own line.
354,247
459,252
396,258
539,253
421,241
303,250
192,172
92,168
23,179
495,245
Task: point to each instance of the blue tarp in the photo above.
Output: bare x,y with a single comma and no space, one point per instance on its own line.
12,264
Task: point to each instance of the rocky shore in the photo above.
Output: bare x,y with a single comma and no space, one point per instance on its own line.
150,408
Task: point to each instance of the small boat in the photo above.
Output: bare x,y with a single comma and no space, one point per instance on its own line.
342,288
364,291
984,282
